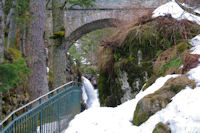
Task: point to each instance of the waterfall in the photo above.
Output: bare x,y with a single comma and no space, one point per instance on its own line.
139,57
90,95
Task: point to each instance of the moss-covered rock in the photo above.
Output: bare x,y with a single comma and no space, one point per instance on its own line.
110,92
169,61
152,103
162,128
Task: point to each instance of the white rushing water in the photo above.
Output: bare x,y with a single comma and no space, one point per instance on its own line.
90,95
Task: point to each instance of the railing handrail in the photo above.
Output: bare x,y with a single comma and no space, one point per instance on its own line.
33,101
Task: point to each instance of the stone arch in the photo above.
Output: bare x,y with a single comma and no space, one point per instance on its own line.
89,27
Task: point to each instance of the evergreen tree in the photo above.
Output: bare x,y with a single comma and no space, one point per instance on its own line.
35,49
2,3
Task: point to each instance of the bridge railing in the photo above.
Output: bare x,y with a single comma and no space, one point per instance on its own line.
51,112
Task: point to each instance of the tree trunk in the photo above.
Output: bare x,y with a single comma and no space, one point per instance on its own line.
23,36
12,27
49,44
59,63
35,49
2,26
59,55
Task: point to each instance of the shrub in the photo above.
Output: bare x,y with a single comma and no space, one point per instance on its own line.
12,74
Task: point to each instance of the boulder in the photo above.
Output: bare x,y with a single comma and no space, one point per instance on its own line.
162,128
152,103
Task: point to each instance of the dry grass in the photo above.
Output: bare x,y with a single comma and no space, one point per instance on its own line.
166,30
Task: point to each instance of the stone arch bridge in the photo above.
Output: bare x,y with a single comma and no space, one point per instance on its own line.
106,13
80,21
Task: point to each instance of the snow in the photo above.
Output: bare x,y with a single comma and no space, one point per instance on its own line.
197,10
49,127
195,42
176,12
112,120
182,113
194,73
47,69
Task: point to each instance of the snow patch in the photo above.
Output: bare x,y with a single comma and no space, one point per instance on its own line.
112,120
194,74
195,42
176,12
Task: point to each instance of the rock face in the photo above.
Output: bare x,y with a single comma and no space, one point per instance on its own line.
152,103
162,128
126,88
134,50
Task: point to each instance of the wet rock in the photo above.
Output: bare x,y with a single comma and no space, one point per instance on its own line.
162,128
83,106
152,103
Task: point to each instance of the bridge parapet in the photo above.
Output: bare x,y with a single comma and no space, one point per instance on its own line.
116,4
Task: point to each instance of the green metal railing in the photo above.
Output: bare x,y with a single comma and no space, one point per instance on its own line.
51,112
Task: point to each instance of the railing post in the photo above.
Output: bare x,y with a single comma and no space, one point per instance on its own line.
58,111
12,118
40,101
0,128
1,106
